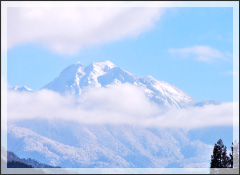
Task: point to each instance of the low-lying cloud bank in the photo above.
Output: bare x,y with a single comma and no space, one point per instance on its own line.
117,104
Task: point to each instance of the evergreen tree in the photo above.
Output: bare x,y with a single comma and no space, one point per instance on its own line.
231,157
225,158
17,164
218,158
221,163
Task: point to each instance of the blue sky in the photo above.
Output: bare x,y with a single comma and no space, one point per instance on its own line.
187,31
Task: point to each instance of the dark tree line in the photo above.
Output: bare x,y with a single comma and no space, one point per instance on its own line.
220,159
17,164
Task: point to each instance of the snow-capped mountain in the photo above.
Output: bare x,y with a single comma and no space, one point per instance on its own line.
76,78
21,89
76,145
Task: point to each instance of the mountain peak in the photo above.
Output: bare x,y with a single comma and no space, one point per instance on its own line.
76,78
103,64
78,63
21,88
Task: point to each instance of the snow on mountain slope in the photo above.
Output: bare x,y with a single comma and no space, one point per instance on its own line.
69,144
76,78
21,89
13,157
26,143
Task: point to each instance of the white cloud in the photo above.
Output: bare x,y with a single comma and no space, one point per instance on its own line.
232,73
67,30
196,117
201,53
118,104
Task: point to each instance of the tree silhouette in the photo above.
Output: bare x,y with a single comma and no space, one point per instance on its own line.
221,163
231,157
17,164
219,159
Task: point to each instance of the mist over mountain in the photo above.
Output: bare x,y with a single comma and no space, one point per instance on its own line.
76,78
60,142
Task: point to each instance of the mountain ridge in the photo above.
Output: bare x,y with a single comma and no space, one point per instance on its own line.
78,145
76,77
107,146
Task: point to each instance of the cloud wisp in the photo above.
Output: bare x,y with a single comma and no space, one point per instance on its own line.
232,73
117,104
67,30
200,53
